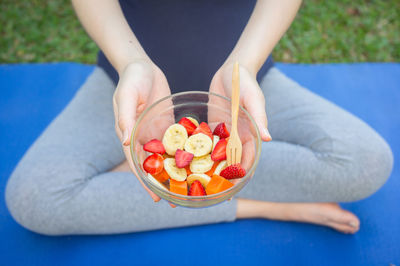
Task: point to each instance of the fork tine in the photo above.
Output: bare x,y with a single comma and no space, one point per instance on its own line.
238,152
228,154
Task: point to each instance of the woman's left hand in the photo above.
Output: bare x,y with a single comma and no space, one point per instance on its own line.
251,95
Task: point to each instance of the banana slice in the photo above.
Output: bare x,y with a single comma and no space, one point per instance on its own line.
155,181
200,165
215,141
203,178
221,166
178,174
199,144
194,121
174,138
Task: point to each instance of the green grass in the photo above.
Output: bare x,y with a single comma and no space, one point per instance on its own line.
324,31
343,31
42,31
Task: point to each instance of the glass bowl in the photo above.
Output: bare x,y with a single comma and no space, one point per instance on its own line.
205,107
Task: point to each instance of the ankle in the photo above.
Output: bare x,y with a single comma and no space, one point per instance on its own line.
247,209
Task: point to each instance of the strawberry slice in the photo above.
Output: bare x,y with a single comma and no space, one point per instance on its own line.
183,158
154,146
233,171
196,189
221,131
189,125
153,164
203,128
219,152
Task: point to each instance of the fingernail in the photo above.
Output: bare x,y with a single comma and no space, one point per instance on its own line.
353,224
125,137
266,132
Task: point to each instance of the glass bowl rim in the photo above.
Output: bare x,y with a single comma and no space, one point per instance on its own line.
141,173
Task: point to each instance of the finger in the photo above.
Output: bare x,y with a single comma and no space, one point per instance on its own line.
249,153
126,101
154,125
117,130
218,111
255,105
152,194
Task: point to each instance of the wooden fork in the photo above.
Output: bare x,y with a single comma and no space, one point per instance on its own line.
234,147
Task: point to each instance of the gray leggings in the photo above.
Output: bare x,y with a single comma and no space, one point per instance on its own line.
319,153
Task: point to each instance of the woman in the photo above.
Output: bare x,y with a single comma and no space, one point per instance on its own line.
75,179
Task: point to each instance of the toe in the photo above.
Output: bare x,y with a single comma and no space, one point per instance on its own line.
343,228
338,215
344,220
348,219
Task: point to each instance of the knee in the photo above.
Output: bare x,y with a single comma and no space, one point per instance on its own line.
368,168
30,203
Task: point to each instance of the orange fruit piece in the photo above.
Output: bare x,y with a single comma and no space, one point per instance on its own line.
188,172
212,170
162,177
178,187
217,184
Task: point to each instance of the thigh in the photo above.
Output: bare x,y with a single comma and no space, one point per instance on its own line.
301,117
319,151
78,145
83,135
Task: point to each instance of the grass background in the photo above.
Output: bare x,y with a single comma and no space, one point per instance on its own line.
324,31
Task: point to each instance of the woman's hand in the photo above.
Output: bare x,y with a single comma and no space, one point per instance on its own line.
141,83
268,22
251,95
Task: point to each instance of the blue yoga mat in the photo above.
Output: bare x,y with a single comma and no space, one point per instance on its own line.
32,95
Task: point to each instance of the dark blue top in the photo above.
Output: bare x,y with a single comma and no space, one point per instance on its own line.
188,39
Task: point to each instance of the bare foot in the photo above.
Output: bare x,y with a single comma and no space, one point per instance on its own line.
327,214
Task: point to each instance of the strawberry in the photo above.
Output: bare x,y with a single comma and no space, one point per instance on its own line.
183,158
154,146
189,125
221,131
219,152
203,128
196,189
233,171
154,164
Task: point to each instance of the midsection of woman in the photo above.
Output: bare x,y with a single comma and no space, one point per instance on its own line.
189,40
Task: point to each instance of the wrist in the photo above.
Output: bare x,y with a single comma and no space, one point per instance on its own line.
244,61
124,63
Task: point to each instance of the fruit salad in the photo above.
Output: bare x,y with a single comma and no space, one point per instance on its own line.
190,159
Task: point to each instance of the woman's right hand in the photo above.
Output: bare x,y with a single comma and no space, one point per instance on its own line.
141,83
